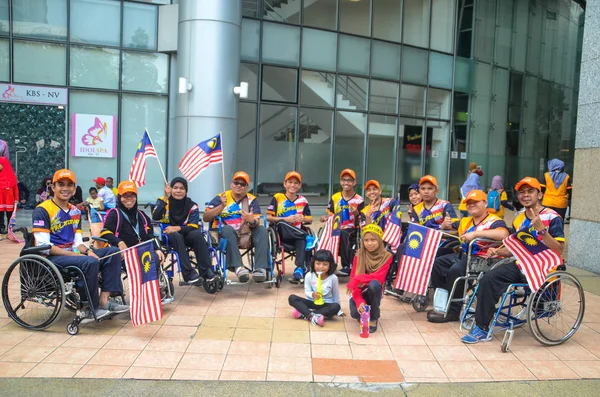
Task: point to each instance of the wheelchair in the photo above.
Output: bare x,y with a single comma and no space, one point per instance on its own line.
219,245
34,290
554,313
420,303
287,250
210,286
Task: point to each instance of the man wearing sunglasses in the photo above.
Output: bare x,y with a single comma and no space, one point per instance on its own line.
237,208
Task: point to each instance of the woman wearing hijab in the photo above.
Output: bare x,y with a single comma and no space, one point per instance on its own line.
558,187
9,192
45,191
178,211
415,198
497,190
472,183
369,269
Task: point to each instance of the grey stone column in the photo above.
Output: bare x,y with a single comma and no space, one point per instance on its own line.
208,55
585,216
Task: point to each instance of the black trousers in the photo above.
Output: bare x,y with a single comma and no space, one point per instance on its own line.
445,270
304,306
8,215
347,246
195,240
372,296
491,287
300,251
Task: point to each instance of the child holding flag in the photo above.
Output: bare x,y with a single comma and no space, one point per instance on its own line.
322,266
348,205
545,226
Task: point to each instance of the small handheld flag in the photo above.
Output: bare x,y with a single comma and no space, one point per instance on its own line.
200,157
330,238
138,168
420,247
393,229
146,305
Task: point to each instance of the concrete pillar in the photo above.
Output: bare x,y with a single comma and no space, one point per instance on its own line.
585,217
208,55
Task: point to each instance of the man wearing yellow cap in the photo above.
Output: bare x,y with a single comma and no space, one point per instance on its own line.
56,223
290,211
545,225
238,208
447,268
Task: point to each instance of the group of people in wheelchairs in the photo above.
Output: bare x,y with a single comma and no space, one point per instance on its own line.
471,273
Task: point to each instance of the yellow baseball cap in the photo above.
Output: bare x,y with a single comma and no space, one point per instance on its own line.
372,182
476,195
293,174
127,187
529,181
64,174
242,175
373,228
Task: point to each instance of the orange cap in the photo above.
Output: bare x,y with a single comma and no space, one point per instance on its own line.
372,182
349,172
428,179
293,174
242,175
476,195
127,187
529,181
64,174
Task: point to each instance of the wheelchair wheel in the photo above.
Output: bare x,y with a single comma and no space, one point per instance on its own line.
33,292
211,286
556,309
72,329
420,303
273,244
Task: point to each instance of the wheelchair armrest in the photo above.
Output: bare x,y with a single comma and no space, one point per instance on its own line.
35,250
95,238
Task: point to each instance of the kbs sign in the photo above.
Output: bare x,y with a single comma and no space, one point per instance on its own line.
33,94
93,135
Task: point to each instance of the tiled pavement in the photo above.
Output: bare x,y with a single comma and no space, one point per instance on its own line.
246,332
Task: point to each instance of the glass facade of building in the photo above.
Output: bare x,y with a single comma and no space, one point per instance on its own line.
105,53
398,88
391,88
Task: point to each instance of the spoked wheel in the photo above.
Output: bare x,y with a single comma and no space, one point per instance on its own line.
33,292
211,286
165,283
556,309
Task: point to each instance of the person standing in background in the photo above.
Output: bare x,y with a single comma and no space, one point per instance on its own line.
4,149
556,188
9,192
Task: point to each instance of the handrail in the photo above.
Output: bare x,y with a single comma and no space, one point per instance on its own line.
272,10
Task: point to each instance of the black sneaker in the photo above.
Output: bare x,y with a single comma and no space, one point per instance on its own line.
344,271
3,229
209,275
439,317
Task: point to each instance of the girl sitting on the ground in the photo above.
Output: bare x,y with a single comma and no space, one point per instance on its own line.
370,266
322,264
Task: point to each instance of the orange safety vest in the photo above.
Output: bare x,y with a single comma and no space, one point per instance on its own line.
556,197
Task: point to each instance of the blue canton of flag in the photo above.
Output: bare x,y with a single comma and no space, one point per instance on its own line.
200,157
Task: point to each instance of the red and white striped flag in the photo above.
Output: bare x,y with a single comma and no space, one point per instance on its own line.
145,149
142,274
393,230
198,158
330,238
533,257
414,270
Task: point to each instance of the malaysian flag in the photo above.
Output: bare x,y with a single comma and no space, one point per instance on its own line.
393,230
534,258
198,158
138,168
11,225
142,274
417,260
330,238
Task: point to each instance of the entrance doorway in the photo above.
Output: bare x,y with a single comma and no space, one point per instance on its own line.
35,135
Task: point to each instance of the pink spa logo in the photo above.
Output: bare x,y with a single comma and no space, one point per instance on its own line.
95,134
10,91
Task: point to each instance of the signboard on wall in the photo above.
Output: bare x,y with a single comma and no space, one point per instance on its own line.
93,135
35,95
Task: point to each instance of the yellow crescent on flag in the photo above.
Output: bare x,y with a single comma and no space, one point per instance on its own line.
146,261
212,143
414,242
527,239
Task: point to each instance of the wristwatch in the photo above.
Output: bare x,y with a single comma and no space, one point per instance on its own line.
542,232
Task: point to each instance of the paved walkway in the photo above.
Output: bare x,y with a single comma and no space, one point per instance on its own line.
246,332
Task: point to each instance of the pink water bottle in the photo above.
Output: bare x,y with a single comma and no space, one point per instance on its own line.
365,318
